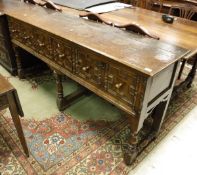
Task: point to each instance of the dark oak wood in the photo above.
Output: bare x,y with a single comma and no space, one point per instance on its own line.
181,33
9,99
7,59
120,66
136,28
129,27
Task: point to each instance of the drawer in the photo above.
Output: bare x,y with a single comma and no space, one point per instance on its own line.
23,33
62,54
125,85
91,68
53,48
42,43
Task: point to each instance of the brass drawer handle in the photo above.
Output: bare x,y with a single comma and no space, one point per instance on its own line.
61,55
85,68
79,61
41,44
13,30
26,37
118,85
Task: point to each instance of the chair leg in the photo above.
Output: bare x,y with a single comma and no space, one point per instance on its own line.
181,69
17,123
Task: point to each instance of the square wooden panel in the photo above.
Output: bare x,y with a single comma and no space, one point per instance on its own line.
62,54
125,85
91,68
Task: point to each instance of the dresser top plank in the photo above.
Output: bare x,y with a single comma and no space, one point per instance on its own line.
144,54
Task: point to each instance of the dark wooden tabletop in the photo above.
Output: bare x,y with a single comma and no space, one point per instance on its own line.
146,55
182,32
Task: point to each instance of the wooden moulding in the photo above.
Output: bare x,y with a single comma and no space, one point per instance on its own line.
51,5
47,4
129,27
95,17
137,29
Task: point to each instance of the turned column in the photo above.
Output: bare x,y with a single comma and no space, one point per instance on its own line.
130,150
60,92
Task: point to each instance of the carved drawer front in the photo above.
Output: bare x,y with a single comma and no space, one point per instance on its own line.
125,85
42,43
91,68
27,35
62,54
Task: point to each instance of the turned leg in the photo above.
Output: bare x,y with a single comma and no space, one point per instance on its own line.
188,80
64,102
181,69
16,121
130,150
20,70
60,92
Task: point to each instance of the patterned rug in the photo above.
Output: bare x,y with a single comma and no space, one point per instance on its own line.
60,143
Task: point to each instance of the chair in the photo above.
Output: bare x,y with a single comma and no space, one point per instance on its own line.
9,99
150,4
186,11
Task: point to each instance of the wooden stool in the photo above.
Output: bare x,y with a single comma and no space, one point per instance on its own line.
9,98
